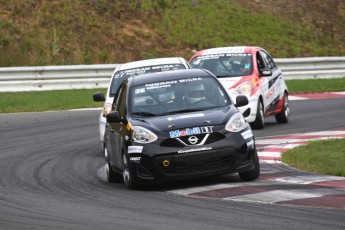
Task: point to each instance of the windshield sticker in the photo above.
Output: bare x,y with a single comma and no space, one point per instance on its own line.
186,116
146,69
190,131
247,134
167,84
194,150
135,149
139,91
225,50
158,85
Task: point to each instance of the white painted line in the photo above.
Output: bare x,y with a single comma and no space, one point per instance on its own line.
307,179
278,195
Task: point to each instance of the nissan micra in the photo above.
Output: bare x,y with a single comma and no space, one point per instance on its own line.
249,71
176,125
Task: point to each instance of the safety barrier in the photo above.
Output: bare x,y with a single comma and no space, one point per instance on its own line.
98,76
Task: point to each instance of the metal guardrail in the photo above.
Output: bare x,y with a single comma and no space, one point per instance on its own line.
98,76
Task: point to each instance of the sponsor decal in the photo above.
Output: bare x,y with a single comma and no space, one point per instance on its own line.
135,149
190,131
250,144
185,116
135,159
270,93
247,134
194,150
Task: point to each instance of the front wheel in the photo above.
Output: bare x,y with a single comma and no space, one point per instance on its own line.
283,116
254,173
112,176
128,175
259,122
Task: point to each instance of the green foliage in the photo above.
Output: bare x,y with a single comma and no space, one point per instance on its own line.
57,32
324,157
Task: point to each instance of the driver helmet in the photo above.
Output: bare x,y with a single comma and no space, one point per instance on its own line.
195,93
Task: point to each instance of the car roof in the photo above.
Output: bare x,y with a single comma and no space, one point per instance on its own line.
154,61
169,75
229,49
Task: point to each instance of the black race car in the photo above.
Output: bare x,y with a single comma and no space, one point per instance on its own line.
177,125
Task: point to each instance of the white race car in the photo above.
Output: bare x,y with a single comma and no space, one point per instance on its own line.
249,71
123,72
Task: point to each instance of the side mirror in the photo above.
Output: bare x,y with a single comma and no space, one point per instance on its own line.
98,96
241,100
114,117
265,72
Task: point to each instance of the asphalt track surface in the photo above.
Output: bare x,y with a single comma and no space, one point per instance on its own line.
50,178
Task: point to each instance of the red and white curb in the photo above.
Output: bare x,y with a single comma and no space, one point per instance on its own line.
271,148
278,182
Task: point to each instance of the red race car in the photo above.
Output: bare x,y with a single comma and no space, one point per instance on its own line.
249,71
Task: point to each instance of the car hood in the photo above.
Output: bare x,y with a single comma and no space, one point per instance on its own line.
228,82
212,117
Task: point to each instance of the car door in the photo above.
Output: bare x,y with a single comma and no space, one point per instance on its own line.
116,133
271,88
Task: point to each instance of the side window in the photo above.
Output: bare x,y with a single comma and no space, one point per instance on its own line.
260,61
121,106
268,60
117,98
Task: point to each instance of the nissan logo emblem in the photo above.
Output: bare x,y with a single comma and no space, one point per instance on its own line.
193,140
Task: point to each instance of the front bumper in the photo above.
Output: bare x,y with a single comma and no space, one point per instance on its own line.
210,160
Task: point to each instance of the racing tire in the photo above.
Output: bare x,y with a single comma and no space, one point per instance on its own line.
128,175
283,116
259,122
105,152
112,176
254,173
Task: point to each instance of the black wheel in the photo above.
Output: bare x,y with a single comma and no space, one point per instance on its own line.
254,173
128,175
283,116
112,176
259,122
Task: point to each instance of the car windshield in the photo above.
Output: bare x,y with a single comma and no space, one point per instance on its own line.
225,64
125,74
177,96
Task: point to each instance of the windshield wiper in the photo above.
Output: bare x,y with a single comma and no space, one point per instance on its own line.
146,114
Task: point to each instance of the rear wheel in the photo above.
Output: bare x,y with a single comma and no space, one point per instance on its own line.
254,173
283,116
259,122
128,175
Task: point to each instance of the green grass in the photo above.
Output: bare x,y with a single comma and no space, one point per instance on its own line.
46,32
13,102
316,85
322,157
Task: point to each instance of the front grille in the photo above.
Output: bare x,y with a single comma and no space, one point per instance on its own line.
196,162
174,142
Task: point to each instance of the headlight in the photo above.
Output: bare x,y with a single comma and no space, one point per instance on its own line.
106,109
236,123
142,135
243,88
